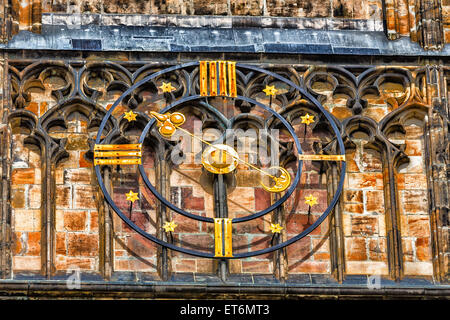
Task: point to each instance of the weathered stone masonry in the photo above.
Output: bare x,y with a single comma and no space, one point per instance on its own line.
392,110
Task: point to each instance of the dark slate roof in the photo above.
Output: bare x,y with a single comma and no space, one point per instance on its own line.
167,37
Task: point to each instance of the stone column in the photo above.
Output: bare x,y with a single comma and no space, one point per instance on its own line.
437,157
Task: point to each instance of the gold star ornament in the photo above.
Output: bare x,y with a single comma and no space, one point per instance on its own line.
167,87
275,228
311,200
270,90
130,116
307,119
131,196
169,226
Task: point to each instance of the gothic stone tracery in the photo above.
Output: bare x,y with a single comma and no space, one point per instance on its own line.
392,218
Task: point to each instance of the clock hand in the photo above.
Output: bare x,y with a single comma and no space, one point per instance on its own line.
168,127
169,123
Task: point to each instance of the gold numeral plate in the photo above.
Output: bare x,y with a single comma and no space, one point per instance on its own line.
218,78
117,154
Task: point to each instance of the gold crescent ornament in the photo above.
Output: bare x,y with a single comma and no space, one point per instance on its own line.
281,183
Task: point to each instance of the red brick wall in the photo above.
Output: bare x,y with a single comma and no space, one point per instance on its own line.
76,205
77,201
415,221
364,221
26,205
364,216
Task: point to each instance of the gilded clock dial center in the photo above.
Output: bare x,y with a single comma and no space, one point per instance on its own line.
220,159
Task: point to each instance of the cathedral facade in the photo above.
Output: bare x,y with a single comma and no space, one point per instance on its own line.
224,149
